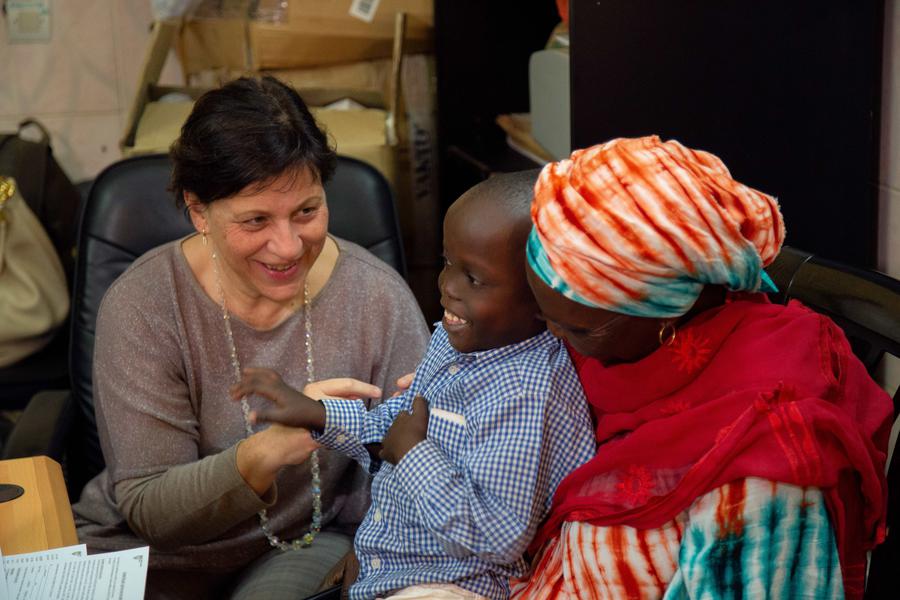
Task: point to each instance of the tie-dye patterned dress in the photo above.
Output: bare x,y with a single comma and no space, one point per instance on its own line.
747,539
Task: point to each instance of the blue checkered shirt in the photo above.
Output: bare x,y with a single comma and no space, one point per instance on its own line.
505,427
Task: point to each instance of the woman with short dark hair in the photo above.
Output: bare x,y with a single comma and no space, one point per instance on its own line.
231,509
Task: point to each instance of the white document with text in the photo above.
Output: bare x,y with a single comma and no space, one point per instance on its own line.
68,573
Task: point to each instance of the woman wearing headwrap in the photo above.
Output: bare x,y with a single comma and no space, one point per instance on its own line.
741,445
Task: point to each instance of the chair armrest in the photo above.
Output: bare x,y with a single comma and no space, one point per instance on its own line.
43,427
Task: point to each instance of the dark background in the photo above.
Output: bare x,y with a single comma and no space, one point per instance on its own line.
482,49
787,93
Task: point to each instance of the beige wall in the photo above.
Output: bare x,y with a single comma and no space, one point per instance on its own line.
79,84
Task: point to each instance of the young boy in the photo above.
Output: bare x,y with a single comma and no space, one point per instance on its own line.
494,419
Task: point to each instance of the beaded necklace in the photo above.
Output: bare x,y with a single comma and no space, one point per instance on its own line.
274,540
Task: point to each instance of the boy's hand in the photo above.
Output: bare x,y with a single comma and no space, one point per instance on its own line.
351,574
407,430
291,408
345,572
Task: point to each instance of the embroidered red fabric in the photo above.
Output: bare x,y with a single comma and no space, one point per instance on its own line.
747,389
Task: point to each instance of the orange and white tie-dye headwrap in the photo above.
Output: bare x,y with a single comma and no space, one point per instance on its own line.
639,226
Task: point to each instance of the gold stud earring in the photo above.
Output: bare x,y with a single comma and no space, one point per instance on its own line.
667,333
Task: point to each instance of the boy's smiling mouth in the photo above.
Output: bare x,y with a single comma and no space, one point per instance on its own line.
453,320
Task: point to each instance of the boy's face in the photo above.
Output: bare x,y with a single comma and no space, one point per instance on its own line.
486,299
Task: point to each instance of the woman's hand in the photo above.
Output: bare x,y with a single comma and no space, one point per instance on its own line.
291,407
344,572
263,454
407,430
342,387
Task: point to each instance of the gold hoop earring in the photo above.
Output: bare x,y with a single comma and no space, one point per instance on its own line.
667,333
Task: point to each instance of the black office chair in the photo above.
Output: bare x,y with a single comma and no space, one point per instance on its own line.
866,305
127,213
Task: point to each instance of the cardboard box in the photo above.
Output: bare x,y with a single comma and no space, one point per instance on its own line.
149,91
154,122
317,33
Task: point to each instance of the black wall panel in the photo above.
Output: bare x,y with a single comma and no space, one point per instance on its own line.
786,92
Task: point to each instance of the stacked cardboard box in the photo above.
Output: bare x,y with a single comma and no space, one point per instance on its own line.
316,33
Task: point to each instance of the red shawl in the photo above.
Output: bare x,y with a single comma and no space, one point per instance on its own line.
747,389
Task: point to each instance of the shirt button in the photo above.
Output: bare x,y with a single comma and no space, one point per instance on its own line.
377,516
453,369
375,563
341,438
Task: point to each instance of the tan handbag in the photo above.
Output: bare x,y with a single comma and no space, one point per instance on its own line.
34,298
26,155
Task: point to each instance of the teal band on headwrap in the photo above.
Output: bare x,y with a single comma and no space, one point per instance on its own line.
677,292
766,283
540,264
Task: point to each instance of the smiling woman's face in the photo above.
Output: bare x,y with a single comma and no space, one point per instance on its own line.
267,238
612,338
